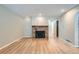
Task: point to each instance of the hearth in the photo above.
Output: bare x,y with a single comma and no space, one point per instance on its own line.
39,34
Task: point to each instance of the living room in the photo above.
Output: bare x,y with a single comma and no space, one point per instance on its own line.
38,28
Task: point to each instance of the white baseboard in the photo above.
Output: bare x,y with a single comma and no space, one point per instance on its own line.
27,36
10,43
67,42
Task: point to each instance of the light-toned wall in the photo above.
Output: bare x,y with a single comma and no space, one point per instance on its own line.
11,26
28,27
40,21
52,29
67,25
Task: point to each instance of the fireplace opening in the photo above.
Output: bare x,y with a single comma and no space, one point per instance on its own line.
39,34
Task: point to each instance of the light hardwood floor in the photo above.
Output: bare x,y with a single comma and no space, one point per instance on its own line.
39,46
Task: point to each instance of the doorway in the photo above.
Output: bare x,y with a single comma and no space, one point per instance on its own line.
57,28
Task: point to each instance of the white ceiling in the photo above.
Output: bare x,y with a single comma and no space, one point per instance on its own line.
34,9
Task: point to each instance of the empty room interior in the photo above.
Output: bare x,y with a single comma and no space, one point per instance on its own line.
39,29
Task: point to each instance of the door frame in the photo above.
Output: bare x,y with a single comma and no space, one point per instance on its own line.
76,20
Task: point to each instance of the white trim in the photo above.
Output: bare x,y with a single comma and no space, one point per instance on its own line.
10,43
76,29
28,36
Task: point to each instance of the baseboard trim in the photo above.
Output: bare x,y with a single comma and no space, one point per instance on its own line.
28,36
10,43
67,42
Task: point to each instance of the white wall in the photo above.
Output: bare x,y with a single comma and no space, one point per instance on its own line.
28,27
67,25
40,21
11,26
52,29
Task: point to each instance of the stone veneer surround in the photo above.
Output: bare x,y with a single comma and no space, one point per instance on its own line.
40,28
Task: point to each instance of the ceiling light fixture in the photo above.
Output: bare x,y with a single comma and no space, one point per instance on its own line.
40,14
63,10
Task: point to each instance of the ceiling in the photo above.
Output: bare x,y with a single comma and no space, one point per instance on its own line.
35,9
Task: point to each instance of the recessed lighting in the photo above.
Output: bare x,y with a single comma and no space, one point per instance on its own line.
63,10
40,14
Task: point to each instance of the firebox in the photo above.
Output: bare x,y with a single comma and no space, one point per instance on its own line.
39,34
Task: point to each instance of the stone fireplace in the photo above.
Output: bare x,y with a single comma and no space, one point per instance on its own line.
40,31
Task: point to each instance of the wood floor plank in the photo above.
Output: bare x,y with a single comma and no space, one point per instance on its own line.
39,46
